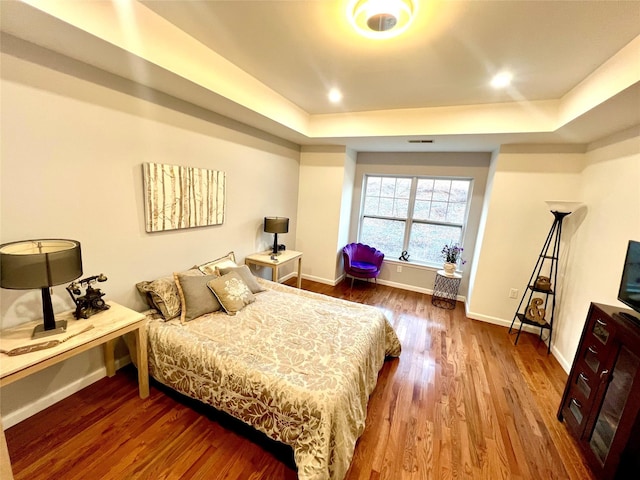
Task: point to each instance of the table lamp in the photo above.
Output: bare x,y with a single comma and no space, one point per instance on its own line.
276,225
31,264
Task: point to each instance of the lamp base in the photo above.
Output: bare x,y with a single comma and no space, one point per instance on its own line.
39,331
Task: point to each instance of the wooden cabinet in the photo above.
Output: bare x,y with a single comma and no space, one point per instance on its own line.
601,401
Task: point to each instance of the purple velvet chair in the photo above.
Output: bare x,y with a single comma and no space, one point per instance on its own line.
362,261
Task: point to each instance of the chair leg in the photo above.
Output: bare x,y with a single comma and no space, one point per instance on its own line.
352,279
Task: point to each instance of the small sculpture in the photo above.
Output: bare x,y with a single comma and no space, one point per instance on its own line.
542,283
534,312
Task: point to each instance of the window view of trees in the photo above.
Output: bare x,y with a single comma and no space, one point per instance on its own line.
416,214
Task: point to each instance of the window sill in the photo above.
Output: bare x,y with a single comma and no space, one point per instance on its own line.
419,266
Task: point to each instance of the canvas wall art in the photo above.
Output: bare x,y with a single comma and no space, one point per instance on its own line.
182,197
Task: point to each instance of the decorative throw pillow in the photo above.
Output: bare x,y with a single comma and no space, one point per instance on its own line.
232,293
209,268
245,274
162,294
195,298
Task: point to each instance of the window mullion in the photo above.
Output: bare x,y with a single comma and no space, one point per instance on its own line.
412,201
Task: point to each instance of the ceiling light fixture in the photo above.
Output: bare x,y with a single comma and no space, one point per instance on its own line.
381,18
501,80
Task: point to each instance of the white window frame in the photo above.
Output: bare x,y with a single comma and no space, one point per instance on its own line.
409,220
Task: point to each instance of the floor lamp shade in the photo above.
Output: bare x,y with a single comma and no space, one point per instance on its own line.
32,264
276,225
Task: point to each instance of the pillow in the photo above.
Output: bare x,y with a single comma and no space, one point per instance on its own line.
209,268
231,291
195,298
162,294
245,274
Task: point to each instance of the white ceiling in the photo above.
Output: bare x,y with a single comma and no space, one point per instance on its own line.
270,64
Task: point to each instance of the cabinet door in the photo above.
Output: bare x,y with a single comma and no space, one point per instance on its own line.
607,429
594,359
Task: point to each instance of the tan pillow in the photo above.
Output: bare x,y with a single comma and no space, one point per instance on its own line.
232,293
209,268
195,298
245,274
162,294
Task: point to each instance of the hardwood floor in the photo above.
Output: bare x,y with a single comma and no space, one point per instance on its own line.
461,402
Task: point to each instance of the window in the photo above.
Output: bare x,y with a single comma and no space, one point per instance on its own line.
416,214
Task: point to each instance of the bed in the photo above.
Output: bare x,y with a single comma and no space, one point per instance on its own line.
295,365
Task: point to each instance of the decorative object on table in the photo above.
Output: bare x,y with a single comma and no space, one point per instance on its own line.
452,254
32,264
547,261
91,302
362,261
42,345
182,197
535,312
276,225
542,283
404,256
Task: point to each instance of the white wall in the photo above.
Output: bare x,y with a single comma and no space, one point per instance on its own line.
610,186
606,178
469,165
71,152
324,173
517,224
348,184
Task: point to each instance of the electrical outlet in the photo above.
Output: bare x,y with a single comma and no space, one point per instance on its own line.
513,293
399,268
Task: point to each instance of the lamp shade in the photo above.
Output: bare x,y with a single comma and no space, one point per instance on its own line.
276,224
563,207
33,264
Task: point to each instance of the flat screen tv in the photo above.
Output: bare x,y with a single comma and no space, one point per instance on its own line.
629,292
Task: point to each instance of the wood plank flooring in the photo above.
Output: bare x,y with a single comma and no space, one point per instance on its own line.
462,402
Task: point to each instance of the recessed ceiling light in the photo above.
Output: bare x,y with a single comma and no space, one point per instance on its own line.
335,95
381,18
501,80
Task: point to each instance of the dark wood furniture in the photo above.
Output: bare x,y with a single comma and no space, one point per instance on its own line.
601,401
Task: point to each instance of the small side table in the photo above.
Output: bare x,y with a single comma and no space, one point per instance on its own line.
285,257
445,290
108,326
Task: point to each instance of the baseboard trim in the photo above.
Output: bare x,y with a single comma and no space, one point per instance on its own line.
413,288
325,281
500,321
15,417
566,366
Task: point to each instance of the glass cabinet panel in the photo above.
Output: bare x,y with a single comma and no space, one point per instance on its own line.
583,385
613,404
591,359
600,330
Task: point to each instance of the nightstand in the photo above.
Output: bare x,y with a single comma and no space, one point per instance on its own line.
285,257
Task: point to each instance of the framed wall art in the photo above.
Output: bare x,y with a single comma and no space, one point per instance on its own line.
182,197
